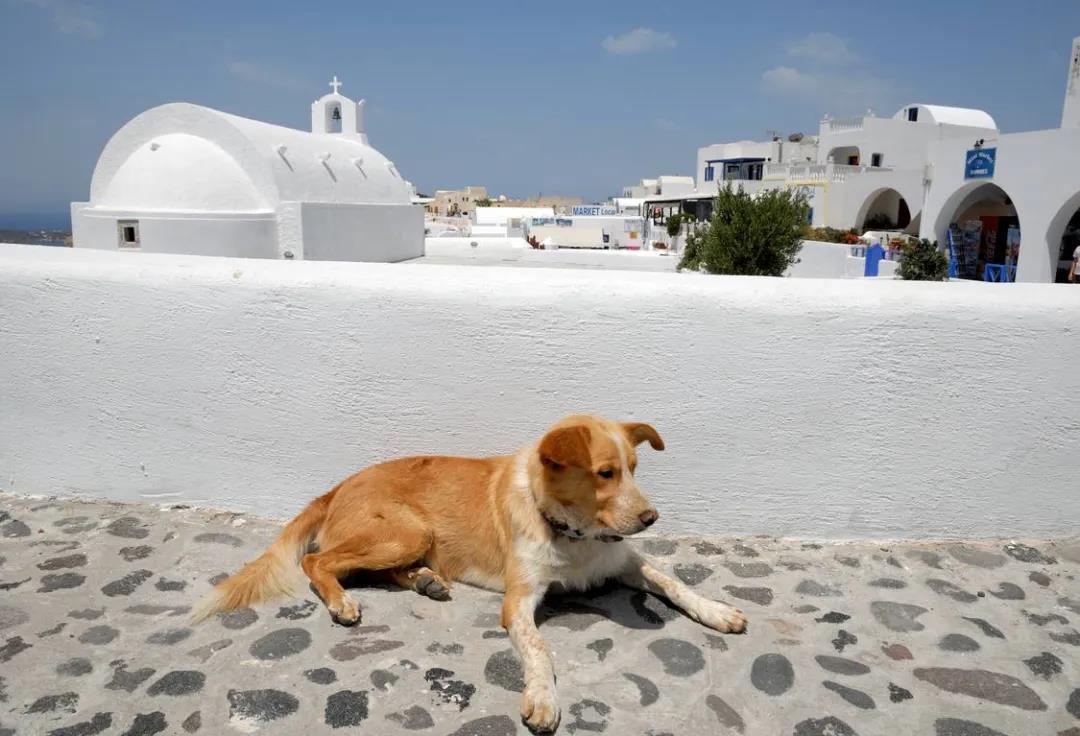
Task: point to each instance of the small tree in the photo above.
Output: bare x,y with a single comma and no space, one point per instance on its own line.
748,235
674,227
483,202
923,261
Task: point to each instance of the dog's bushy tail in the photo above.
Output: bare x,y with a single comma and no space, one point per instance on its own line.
274,573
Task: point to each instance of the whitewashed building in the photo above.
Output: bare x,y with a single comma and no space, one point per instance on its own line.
1005,204
181,178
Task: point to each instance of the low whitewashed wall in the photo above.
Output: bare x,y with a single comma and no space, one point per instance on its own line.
812,408
502,250
821,260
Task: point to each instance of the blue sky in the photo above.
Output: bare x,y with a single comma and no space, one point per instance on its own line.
555,97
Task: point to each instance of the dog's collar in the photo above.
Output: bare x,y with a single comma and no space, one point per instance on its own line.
562,529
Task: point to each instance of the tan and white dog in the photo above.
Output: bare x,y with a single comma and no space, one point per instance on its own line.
555,512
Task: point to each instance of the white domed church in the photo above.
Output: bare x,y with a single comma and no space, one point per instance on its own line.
181,178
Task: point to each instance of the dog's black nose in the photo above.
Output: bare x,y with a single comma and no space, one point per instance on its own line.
648,518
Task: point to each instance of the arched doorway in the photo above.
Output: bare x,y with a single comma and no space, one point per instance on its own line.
1063,238
884,209
847,155
985,228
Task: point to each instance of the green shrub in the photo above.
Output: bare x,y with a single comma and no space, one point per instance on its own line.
748,235
923,261
674,225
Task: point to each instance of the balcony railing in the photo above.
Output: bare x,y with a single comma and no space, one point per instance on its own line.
836,173
838,125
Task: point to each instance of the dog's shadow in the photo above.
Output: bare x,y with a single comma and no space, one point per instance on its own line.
575,611
617,603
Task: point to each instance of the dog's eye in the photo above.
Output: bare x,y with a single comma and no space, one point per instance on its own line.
606,473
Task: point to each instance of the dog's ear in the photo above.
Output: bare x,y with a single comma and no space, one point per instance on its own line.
566,447
638,432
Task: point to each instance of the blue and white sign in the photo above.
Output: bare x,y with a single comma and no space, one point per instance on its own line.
593,209
979,163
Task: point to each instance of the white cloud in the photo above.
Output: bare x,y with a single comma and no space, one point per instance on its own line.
70,18
256,73
836,93
639,41
790,80
823,48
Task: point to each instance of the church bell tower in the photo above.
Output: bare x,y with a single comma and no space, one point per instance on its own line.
336,114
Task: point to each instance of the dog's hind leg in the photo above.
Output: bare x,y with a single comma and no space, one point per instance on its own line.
399,540
423,580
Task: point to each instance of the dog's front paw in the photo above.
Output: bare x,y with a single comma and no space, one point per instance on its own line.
720,616
346,611
540,709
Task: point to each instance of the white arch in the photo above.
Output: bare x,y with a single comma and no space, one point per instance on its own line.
1056,230
872,199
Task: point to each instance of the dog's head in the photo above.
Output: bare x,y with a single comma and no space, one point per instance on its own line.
588,466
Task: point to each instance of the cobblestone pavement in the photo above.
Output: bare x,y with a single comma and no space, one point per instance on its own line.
934,639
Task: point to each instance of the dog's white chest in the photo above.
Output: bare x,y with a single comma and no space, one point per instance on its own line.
575,565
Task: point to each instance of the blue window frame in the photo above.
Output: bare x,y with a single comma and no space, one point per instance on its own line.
709,173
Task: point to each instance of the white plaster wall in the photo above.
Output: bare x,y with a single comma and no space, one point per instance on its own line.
494,251
362,232
818,260
247,235
823,408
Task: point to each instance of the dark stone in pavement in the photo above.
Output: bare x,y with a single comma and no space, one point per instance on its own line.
1008,592
896,652
692,574
958,727
843,640
127,584
601,647
727,715
488,726
772,674
833,617
128,527
325,675
985,627
897,616
958,643
899,694
98,724
192,723
841,665
944,587
261,705
241,618
1044,665
827,726
280,644
346,708
993,686
177,683
60,581
680,658
413,718
857,698
660,547
760,596
503,669
1024,553
63,702
219,538
68,561
648,692
147,724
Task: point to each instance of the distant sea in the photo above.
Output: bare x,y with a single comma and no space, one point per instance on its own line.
35,221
